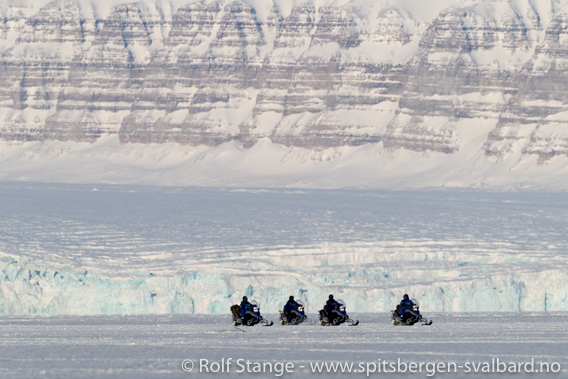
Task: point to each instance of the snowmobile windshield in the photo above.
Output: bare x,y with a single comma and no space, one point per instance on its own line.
416,303
341,304
255,306
300,305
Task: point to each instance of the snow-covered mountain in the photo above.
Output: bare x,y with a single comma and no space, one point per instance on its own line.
393,92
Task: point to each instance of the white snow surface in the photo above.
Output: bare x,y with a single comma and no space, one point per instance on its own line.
267,164
156,346
107,249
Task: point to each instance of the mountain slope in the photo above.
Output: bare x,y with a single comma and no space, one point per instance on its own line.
480,83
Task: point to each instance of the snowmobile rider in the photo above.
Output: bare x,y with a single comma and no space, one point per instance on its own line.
245,305
406,306
290,306
330,305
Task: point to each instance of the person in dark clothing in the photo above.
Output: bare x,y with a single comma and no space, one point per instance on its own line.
245,305
330,305
406,305
290,306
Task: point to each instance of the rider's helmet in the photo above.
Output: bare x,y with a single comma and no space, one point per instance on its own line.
245,298
291,298
331,296
405,297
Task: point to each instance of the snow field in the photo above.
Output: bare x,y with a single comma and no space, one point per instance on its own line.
157,345
231,165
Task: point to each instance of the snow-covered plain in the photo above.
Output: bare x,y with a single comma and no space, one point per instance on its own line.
154,346
81,249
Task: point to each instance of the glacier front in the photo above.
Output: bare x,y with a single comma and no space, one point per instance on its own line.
78,249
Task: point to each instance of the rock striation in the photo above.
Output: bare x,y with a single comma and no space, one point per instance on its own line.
313,75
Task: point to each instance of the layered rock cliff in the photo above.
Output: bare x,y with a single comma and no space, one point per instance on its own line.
314,74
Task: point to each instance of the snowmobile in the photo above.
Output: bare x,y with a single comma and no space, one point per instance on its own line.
251,317
409,318
294,317
336,316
